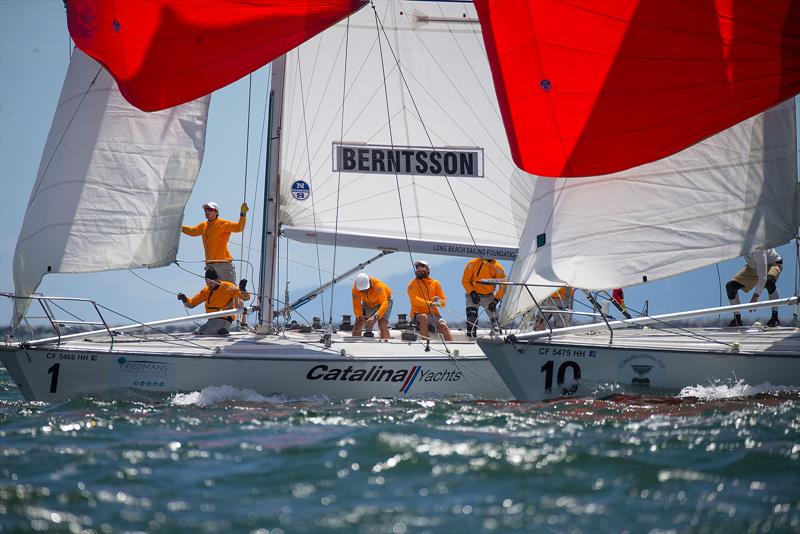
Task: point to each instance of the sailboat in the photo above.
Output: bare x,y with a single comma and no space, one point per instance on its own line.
716,200
387,99
531,90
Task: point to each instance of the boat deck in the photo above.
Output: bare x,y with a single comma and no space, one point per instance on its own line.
750,340
287,345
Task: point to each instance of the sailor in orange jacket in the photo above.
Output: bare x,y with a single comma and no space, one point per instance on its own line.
559,300
372,301
482,295
426,296
216,232
218,295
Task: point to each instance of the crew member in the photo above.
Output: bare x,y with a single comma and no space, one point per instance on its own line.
218,295
554,309
479,295
618,299
762,269
426,296
216,232
372,301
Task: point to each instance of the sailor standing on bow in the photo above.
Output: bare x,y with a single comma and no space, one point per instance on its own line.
216,232
762,269
480,295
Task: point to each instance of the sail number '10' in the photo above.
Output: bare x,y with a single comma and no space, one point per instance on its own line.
561,376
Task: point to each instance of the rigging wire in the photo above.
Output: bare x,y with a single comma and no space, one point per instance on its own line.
165,290
261,145
246,156
308,162
423,288
719,287
339,174
419,115
665,325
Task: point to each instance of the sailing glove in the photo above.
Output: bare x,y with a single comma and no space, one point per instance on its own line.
436,301
182,297
492,307
244,209
242,285
476,299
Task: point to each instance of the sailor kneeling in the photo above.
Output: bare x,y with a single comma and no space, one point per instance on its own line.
218,295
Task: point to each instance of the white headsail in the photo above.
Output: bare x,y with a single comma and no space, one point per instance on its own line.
442,130
716,200
112,183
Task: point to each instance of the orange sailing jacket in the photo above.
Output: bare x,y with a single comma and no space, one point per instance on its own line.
479,269
421,293
221,298
377,295
215,237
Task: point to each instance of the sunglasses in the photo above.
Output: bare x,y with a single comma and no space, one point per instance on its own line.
209,209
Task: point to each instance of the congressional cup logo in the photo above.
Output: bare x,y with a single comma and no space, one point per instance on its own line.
641,371
642,364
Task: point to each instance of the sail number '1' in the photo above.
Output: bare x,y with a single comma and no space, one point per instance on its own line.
54,379
547,369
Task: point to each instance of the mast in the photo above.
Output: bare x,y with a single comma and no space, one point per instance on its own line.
269,241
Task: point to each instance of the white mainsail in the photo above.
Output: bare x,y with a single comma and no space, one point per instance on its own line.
112,183
440,97
716,200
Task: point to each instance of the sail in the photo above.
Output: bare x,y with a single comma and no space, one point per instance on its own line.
591,87
716,200
112,183
167,52
344,153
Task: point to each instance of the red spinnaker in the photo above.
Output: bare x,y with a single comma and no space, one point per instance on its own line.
166,52
590,87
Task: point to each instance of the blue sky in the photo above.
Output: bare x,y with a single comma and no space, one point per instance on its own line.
34,54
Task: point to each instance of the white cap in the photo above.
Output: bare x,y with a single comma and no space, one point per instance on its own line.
212,205
362,281
422,262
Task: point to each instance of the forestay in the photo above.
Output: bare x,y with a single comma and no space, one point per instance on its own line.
442,137
714,201
112,183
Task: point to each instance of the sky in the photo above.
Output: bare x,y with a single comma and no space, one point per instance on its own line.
34,55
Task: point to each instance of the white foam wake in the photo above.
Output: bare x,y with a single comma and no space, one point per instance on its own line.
732,390
217,394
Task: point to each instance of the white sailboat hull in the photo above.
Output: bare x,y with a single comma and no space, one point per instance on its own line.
576,364
294,367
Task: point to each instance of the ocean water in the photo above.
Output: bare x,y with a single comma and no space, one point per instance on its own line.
723,458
